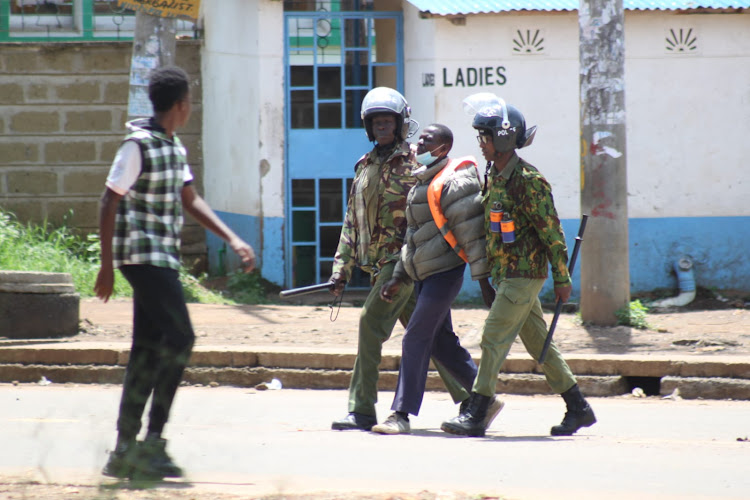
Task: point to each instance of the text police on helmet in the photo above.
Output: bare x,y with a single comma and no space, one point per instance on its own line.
504,122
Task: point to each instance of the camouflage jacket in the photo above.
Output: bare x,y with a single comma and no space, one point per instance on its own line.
375,222
527,197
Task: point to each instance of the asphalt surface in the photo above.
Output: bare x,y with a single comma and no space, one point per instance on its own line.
244,443
668,428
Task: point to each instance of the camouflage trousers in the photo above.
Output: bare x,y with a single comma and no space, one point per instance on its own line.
517,311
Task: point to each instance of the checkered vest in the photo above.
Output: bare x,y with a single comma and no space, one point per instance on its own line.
149,216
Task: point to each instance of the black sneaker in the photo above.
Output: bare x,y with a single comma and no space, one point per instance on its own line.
154,462
121,462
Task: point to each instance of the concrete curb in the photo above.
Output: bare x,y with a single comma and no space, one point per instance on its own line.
717,377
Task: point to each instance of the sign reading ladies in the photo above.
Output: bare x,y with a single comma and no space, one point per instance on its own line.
468,77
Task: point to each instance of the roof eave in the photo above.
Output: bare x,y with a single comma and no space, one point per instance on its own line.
426,14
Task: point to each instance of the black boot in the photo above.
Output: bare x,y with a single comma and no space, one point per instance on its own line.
470,422
123,460
579,413
155,462
355,421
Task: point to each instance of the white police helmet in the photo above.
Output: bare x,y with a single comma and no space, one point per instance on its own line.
387,100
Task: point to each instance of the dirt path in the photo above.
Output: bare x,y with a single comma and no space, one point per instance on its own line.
725,331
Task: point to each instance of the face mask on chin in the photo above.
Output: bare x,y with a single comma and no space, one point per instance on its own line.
427,158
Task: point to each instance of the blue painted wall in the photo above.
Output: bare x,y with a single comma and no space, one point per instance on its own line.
269,234
718,246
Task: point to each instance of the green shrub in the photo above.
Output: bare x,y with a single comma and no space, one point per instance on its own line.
44,248
633,315
247,288
197,293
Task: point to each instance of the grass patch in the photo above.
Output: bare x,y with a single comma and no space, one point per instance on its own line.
44,248
247,288
634,314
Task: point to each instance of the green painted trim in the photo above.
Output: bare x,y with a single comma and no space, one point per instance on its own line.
4,18
84,20
87,13
65,39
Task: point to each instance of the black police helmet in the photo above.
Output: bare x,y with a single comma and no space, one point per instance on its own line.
507,126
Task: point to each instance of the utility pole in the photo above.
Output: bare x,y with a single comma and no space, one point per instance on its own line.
154,46
605,271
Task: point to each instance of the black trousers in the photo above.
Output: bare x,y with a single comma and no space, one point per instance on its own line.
163,340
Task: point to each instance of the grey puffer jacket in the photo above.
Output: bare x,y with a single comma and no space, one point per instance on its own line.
425,251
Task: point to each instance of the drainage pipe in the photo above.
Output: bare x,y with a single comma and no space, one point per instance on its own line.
683,268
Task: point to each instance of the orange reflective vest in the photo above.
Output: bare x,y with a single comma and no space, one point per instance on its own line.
435,191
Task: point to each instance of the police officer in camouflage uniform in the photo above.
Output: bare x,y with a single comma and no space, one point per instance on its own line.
519,270
371,238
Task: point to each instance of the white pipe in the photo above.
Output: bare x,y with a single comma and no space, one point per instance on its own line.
683,268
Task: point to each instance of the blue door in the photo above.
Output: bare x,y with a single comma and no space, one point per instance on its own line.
332,60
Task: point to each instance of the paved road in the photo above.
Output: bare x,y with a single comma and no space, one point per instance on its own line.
253,443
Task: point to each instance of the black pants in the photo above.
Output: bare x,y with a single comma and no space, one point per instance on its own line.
430,333
162,343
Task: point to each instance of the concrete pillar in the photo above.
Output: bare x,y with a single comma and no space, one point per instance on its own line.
154,46
605,274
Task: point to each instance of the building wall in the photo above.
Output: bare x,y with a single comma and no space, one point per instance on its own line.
688,118
64,108
243,133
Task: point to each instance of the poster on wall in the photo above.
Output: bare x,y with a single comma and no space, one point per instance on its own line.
182,9
140,69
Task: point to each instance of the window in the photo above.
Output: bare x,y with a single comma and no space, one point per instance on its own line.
70,20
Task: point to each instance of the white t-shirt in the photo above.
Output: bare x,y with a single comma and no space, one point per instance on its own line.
126,168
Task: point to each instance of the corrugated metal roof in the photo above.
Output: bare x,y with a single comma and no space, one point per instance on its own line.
457,7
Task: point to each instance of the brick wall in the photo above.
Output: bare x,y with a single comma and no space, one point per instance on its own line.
64,107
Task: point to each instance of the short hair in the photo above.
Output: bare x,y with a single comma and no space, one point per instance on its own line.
166,86
443,133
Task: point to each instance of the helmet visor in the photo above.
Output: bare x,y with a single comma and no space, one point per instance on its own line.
383,100
476,102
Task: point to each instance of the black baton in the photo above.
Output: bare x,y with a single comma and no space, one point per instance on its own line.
558,306
306,289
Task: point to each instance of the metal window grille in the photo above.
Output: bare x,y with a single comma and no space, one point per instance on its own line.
72,20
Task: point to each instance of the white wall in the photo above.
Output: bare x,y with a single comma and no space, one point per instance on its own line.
243,106
688,123
243,128
485,42
419,58
688,116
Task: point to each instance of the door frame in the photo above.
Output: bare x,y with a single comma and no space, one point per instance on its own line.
329,146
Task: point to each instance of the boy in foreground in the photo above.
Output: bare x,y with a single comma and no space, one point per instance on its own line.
140,220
